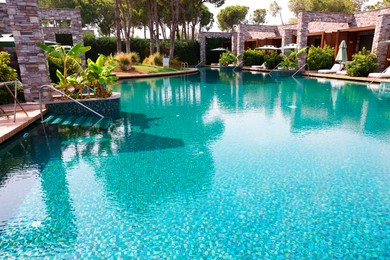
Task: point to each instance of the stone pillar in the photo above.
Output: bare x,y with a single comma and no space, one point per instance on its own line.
382,33
202,40
26,28
302,32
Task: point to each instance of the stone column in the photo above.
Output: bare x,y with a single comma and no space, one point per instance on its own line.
302,32
202,40
382,33
26,28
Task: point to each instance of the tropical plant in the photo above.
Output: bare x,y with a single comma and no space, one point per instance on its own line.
69,60
320,58
272,60
227,58
290,60
363,63
99,75
253,57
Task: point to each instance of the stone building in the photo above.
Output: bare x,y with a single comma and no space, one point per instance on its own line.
31,25
365,29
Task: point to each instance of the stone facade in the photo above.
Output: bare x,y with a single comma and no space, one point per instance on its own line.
320,22
26,28
23,19
72,15
202,40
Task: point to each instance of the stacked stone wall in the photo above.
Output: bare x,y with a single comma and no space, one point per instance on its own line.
4,22
75,28
202,39
26,27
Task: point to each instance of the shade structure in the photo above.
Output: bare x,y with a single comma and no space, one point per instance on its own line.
342,53
386,42
7,40
218,49
291,46
267,47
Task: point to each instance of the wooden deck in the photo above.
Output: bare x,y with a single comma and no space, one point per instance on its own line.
9,128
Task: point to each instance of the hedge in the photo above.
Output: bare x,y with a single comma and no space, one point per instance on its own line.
185,51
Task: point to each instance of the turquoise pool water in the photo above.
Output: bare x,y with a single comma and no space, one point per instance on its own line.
211,165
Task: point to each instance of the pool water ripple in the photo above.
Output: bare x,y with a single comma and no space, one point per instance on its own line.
214,165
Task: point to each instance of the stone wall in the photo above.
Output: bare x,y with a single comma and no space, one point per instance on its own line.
4,21
202,40
72,15
26,28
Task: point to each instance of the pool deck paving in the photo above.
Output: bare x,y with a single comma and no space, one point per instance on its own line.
9,128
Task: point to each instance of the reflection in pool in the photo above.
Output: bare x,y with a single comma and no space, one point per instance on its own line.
212,165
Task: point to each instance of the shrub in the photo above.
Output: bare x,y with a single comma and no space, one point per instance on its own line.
253,57
290,58
227,58
154,60
362,64
124,60
7,73
272,60
134,56
320,58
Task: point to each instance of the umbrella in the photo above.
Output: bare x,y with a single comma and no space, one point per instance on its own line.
7,40
267,47
342,53
218,49
291,46
386,42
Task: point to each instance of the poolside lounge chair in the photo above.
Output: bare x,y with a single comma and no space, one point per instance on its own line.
262,66
336,67
383,74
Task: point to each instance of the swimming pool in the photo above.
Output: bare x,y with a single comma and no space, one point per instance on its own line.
212,165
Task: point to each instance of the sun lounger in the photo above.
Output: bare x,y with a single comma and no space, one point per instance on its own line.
341,72
383,74
334,69
262,66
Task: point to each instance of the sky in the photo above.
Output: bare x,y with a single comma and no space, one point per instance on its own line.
256,4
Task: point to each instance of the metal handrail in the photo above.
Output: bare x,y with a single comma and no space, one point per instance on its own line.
15,96
62,93
238,65
200,62
275,68
368,85
303,66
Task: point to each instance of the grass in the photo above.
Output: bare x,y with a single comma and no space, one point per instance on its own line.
147,69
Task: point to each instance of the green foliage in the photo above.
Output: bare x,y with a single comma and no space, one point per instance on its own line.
99,75
7,73
290,59
231,16
362,64
275,9
186,51
272,60
259,15
253,57
342,6
320,58
227,58
134,57
6,98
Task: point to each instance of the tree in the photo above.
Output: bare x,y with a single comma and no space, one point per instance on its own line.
231,16
384,3
259,15
342,6
275,9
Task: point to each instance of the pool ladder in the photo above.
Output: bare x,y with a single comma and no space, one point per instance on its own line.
62,93
302,67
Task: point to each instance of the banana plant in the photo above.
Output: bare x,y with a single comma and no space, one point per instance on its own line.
291,59
69,59
99,75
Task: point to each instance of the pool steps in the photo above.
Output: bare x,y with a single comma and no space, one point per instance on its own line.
81,121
